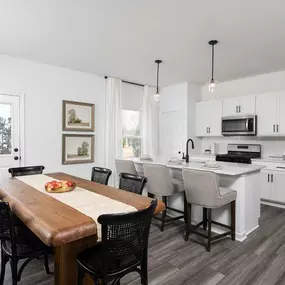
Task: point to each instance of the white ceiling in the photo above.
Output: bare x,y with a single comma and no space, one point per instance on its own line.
122,38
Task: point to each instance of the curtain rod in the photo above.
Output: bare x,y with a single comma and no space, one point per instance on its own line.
129,82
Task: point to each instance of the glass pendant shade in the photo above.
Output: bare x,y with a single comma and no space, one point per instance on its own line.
212,85
156,97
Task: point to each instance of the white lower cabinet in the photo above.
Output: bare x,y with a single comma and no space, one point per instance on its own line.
278,187
273,185
265,185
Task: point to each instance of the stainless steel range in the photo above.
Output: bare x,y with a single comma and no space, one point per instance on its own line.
240,153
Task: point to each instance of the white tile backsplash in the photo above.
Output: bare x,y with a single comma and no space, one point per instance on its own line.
269,146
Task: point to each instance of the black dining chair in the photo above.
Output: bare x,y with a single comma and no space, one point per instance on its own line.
132,183
123,248
17,246
27,170
101,175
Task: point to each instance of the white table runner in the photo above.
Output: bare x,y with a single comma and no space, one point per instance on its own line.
86,202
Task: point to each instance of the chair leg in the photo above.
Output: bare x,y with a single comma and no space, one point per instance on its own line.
233,220
209,229
46,264
144,269
188,225
204,218
3,266
80,275
164,199
14,270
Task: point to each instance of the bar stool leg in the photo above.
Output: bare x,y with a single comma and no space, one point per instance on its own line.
185,209
204,218
164,199
209,229
188,225
233,220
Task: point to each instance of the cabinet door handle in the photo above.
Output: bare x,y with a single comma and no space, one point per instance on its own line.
209,130
271,177
277,128
239,108
236,109
268,177
273,128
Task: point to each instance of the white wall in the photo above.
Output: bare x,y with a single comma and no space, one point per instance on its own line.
194,95
182,97
45,87
274,81
270,82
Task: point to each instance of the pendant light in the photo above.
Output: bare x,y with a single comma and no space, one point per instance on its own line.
212,83
156,96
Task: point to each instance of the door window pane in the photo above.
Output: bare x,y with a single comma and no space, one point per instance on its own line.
5,129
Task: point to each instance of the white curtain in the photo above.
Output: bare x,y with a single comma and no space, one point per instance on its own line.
150,111
113,131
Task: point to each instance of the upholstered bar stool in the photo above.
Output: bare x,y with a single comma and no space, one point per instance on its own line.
202,188
160,183
125,166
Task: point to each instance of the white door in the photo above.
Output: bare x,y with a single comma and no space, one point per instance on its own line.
266,110
230,107
214,111
277,187
247,105
9,131
281,114
265,183
171,133
202,126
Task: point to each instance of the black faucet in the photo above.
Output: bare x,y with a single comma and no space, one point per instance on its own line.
187,151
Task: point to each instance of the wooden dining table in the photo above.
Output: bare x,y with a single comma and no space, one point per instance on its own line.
60,226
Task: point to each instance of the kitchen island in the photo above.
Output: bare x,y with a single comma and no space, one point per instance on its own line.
244,178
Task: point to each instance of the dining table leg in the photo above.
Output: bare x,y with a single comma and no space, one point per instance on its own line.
65,266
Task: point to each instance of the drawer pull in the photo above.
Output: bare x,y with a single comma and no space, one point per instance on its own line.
280,167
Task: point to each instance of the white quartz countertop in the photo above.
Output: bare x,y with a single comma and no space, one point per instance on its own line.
268,159
198,163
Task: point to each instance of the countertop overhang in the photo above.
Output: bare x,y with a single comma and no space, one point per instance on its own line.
226,168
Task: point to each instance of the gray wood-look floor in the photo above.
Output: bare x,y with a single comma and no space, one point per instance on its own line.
260,260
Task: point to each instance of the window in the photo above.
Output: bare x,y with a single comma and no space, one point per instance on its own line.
131,133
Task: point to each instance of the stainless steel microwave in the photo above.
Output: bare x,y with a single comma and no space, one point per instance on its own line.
239,125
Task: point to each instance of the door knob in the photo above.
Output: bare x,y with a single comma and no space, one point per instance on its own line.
16,149
16,157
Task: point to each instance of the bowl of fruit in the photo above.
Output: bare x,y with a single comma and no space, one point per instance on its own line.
59,186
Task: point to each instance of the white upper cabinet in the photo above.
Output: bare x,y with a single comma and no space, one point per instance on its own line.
208,118
247,105
266,109
281,114
230,106
239,106
201,119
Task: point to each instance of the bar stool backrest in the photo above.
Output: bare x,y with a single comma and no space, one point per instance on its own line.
201,187
159,180
125,166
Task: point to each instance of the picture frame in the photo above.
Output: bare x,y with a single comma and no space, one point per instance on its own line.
78,116
77,148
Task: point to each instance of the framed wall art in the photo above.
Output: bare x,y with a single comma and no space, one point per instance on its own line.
78,116
77,148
